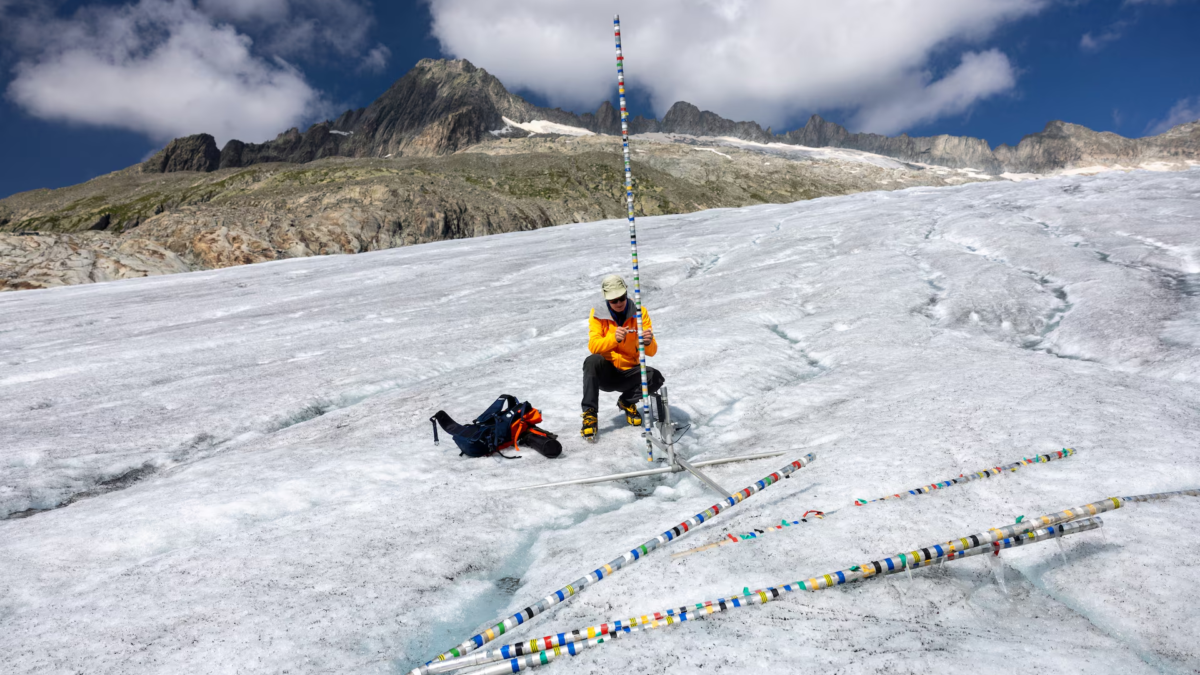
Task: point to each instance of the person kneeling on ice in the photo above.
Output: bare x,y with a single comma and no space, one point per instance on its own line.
614,364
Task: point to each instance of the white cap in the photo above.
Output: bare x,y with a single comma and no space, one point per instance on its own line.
613,287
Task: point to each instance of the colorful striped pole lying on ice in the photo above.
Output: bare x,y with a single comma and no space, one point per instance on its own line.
952,549
986,473
605,570
735,538
637,278
533,653
1157,496
1067,521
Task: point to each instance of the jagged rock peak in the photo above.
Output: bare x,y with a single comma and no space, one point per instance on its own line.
1057,128
197,152
449,65
685,118
819,132
1063,145
1185,129
455,73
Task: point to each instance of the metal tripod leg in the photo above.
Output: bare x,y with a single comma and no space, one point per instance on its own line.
664,442
666,430
704,479
650,472
679,464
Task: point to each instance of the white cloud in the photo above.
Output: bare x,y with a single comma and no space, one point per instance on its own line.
376,60
1094,43
1088,43
245,11
301,29
160,68
979,76
1184,111
767,60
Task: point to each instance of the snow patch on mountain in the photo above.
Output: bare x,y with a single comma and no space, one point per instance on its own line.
544,127
715,151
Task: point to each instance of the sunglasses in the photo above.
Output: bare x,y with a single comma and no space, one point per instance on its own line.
621,299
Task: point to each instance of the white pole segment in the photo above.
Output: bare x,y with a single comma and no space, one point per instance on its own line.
637,284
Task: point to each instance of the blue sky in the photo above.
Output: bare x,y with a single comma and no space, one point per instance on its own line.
92,87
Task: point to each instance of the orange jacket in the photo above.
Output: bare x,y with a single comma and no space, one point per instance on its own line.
602,337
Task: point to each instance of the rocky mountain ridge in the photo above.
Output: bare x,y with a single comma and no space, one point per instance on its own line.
441,107
132,223
1067,146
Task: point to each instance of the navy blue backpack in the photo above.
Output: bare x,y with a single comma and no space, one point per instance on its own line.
504,424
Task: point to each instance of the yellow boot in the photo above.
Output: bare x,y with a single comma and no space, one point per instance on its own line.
589,426
632,416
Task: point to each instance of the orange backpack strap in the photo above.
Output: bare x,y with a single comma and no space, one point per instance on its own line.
518,428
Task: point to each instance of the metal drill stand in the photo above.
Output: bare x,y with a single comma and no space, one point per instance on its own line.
666,433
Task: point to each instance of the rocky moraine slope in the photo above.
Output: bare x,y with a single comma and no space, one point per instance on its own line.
447,152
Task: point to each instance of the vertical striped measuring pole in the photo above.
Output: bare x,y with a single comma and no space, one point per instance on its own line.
637,284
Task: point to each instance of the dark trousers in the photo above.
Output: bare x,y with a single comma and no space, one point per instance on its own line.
600,375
